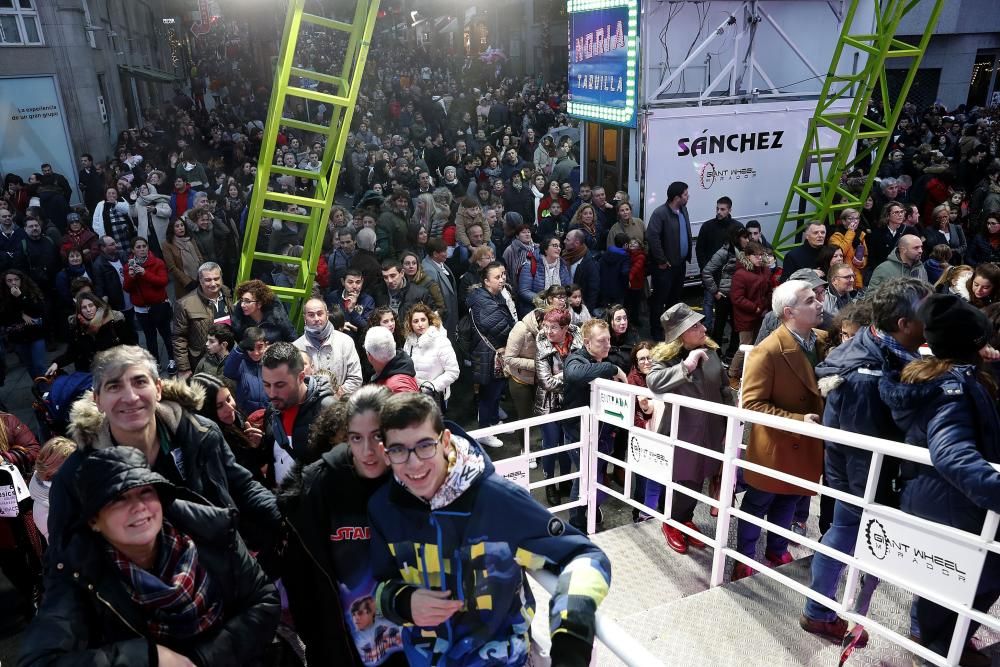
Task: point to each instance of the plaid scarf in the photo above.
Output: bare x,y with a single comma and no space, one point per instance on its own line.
174,598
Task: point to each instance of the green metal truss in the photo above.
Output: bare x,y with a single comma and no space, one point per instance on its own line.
819,193
341,105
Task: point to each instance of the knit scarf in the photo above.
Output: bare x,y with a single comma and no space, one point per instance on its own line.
175,597
516,254
317,336
573,255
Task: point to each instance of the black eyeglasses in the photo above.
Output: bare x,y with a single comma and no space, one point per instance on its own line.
425,449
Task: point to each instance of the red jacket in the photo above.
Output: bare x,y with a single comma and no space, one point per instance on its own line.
150,288
637,272
750,295
399,383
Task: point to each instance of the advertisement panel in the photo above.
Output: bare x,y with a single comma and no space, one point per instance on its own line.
745,152
917,552
515,470
603,42
650,458
33,128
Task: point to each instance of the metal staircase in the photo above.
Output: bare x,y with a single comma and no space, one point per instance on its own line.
339,92
819,193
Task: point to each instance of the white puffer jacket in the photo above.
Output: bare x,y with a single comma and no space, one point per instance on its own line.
433,358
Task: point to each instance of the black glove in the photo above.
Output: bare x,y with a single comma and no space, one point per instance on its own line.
570,651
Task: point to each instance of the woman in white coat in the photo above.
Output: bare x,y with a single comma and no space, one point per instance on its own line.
433,356
151,211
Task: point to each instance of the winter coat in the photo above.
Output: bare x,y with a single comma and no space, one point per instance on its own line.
956,419
86,242
152,224
981,251
801,257
246,375
434,359
174,258
549,365
717,276
882,243
192,320
955,240
464,220
845,241
276,325
620,353
849,381
150,288
519,354
531,279
412,294
588,277
664,236
493,321
779,380
87,614
326,565
708,382
712,236
398,375
750,295
615,266
297,444
199,460
894,268
108,282
637,269
579,370
65,278
486,554
83,344
338,355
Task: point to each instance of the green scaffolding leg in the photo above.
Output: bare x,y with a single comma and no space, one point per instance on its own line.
341,105
819,193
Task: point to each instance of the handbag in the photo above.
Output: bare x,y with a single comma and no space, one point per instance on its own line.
499,367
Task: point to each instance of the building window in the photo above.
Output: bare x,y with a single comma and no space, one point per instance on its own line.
19,23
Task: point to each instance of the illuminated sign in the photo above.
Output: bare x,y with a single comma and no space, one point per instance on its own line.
603,59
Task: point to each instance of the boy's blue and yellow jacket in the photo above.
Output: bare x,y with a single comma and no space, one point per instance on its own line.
476,538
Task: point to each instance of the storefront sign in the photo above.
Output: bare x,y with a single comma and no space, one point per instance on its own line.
650,458
603,48
515,470
916,552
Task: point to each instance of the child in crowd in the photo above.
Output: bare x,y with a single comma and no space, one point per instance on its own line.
50,458
218,344
577,308
636,278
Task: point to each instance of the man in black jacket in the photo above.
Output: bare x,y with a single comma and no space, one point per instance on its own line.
806,255
90,182
296,402
670,244
713,235
109,277
397,292
582,367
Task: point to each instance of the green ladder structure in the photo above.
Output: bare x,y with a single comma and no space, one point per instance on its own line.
341,105
819,193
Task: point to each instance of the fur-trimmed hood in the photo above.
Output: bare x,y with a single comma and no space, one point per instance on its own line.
89,428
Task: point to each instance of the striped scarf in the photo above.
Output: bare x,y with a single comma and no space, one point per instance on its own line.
175,598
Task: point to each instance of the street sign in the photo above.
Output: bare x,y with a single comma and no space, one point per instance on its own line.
616,408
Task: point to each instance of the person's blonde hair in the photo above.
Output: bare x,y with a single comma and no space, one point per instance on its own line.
52,455
588,327
433,319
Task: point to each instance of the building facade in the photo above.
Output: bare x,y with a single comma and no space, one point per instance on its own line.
102,64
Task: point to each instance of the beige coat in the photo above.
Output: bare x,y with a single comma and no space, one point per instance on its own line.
780,381
519,355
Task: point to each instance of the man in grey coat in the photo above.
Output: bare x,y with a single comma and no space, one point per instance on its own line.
670,245
435,268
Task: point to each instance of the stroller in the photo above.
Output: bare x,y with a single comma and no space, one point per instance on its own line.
53,399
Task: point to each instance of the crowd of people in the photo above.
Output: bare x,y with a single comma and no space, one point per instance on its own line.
229,453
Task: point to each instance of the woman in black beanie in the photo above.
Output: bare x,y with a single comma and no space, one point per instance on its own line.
947,403
149,578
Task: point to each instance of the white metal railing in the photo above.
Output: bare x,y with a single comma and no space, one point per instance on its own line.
731,461
612,635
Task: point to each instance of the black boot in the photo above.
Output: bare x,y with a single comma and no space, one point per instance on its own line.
552,493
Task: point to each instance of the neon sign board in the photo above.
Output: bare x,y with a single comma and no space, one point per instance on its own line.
603,60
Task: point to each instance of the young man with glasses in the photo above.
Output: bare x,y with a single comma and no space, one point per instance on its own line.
451,541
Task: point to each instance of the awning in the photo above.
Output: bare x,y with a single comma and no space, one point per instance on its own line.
149,74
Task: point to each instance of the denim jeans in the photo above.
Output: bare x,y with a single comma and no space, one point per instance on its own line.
157,320
32,356
779,509
842,536
708,310
605,442
554,436
489,401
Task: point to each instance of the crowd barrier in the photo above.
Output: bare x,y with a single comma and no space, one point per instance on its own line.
933,561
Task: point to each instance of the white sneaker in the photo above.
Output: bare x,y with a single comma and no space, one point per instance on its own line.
532,464
491,441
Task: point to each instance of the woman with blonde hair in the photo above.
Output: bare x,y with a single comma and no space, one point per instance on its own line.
954,280
433,355
850,238
50,458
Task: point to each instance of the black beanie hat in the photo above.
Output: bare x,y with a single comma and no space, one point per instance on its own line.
954,328
106,474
